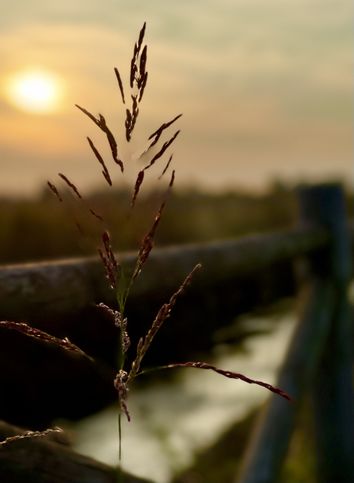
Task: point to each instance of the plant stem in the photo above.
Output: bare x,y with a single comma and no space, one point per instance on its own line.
120,470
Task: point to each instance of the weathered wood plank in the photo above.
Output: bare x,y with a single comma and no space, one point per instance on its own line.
61,287
48,460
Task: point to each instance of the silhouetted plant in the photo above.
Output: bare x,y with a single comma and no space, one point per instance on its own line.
119,281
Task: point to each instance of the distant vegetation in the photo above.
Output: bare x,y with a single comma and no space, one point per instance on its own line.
43,228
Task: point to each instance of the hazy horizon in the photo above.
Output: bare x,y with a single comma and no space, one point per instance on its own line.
265,89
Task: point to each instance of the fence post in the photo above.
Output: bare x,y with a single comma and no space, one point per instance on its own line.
333,400
321,206
271,435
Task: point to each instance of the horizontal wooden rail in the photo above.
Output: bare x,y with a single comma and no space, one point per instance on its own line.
49,459
61,287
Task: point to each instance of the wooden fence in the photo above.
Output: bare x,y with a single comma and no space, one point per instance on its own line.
319,358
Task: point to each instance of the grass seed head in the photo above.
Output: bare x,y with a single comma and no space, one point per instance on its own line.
54,189
42,336
30,435
120,84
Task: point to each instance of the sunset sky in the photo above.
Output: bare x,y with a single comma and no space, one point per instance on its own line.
264,88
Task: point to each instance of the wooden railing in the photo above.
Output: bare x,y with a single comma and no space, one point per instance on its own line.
62,287
319,358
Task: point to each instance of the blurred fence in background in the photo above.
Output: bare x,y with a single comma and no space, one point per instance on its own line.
316,256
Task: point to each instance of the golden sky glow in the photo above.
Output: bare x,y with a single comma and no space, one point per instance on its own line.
265,88
34,91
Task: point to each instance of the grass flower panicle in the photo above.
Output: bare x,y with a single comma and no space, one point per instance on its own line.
42,336
30,434
118,281
109,260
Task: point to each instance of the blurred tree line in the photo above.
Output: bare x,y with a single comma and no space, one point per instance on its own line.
43,228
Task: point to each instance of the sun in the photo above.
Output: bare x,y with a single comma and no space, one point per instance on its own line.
35,91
